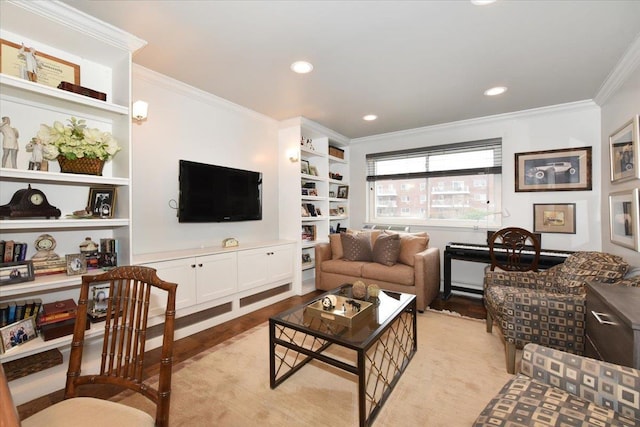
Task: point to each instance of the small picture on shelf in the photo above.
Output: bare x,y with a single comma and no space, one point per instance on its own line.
308,233
17,333
304,167
342,210
14,272
332,194
102,201
334,212
99,300
304,212
313,192
343,192
313,171
306,258
312,209
76,264
107,260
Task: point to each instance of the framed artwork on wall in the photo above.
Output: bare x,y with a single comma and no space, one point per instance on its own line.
554,170
624,152
554,218
624,218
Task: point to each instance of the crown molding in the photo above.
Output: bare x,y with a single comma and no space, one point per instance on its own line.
169,83
67,16
620,73
570,106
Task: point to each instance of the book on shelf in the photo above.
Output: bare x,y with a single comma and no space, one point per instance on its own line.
108,245
58,311
8,251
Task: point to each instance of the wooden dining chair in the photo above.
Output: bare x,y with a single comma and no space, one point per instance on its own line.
514,249
122,357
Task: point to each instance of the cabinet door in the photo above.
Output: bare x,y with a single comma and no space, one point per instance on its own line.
281,263
180,271
253,268
216,276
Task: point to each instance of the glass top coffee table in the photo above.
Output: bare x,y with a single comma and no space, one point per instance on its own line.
383,336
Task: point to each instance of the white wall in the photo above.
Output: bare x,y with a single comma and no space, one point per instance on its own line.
563,126
618,109
186,123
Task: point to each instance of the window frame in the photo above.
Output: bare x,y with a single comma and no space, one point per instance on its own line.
493,217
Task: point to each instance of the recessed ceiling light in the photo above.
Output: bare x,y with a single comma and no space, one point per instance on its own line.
482,2
301,67
498,90
370,117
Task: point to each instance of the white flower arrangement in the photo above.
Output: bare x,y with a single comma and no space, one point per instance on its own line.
75,141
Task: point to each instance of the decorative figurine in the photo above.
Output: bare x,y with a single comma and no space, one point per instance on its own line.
32,63
35,148
359,290
9,144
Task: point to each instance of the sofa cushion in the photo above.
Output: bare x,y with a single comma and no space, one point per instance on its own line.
356,247
527,402
340,266
399,273
410,244
335,241
386,249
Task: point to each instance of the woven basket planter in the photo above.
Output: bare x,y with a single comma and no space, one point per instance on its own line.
82,165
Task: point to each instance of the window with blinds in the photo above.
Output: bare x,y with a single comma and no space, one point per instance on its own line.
455,185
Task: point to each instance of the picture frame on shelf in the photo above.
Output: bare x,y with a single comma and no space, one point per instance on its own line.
76,264
333,212
308,233
313,192
51,71
624,151
313,170
304,167
624,218
16,272
343,192
342,210
567,169
17,333
306,259
99,301
304,212
102,201
332,194
554,218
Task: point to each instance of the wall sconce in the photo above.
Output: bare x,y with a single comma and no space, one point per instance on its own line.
139,111
292,154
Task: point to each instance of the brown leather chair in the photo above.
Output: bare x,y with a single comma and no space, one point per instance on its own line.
123,350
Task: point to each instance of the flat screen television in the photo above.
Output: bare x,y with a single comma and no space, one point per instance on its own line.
210,193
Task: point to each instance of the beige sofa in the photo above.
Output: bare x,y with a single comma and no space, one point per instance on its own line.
416,270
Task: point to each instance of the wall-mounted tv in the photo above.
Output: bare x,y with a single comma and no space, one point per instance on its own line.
210,193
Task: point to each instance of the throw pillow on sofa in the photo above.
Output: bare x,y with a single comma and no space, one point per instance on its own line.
386,249
410,244
356,247
336,241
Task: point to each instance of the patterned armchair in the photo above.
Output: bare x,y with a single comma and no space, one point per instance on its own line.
547,307
555,388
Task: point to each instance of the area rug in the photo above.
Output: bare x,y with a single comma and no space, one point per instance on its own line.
454,374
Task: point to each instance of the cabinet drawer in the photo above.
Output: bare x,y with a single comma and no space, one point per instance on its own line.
612,339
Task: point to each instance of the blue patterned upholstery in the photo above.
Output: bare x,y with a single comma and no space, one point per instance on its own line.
555,388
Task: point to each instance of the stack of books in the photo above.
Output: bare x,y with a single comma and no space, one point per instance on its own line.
12,251
44,267
14,311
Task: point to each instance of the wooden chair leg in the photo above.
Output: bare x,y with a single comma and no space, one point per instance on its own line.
510,353
489,322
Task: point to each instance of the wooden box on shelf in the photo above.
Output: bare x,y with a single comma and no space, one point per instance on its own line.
336,152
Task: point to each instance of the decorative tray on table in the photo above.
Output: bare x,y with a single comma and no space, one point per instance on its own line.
341,310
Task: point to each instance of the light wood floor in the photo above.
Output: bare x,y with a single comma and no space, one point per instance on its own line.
189,346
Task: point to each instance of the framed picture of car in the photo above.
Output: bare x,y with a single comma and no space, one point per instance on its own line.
624,151
554,170
554,218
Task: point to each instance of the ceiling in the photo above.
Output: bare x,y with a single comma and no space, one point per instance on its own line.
412,63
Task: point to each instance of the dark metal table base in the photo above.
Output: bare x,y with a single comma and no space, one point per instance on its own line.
380,361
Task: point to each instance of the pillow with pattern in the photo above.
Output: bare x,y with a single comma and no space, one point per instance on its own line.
386,249
356,247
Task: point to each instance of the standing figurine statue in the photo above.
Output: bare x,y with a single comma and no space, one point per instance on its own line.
35,148
9,144
32,62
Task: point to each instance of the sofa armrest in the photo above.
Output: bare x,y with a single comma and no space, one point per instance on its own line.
427,275
322,253
554,320
604,384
